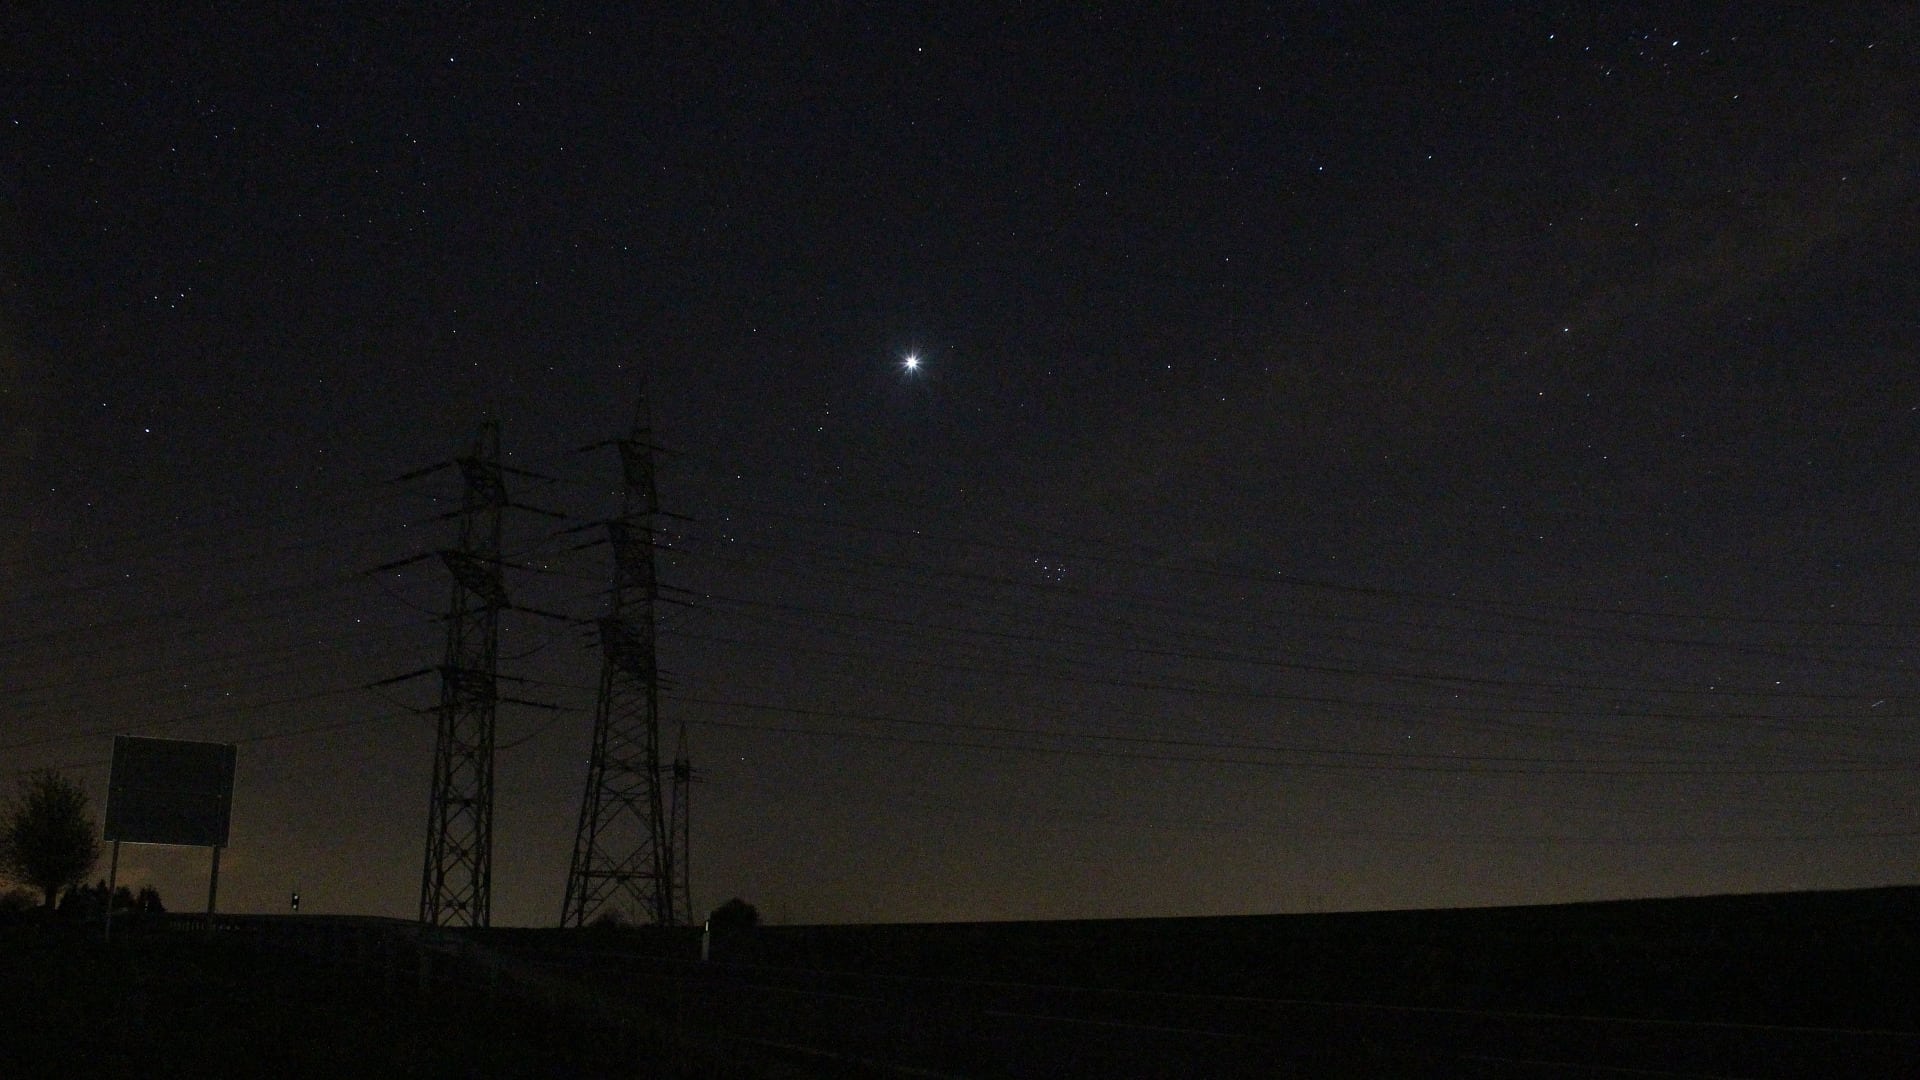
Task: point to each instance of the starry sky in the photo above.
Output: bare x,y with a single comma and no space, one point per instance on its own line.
1358,457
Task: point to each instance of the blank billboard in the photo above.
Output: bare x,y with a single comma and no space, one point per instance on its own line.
169,791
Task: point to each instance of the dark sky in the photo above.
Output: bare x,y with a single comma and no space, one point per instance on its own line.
1359,458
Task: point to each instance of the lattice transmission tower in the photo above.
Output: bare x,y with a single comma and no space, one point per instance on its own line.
680,828
631,847
456,885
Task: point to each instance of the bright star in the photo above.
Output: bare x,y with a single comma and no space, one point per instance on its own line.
911,362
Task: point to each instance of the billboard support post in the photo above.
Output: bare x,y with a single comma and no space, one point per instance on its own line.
113,880
213,887
170,791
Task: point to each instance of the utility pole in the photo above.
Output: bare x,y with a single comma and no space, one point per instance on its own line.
631,846
456,884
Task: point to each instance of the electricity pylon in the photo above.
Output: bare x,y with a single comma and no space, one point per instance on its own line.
680,829
631,846
456,885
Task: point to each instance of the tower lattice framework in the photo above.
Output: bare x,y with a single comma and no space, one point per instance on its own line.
456,884
630,850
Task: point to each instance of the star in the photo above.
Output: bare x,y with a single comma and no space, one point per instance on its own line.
910,363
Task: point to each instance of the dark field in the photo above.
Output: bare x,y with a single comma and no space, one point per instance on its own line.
174,1003
1802,984
1829,959
1776,985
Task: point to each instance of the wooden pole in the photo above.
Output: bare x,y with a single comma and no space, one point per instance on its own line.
113,879
213,886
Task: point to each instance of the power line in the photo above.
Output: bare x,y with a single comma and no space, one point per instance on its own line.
1368,761
1423,677
1558,631
259,656
177,720
1231,571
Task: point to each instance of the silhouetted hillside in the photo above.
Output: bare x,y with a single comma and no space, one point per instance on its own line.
1843,959
165,1004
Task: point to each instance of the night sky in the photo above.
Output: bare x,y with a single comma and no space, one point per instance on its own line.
1357,457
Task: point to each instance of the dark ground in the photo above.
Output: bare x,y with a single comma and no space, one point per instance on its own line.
174,1003
1778,986
1819,959
164,1004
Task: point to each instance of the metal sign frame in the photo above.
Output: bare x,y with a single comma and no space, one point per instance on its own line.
169,791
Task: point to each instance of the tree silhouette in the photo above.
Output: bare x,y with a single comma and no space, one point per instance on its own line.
735,914
48,838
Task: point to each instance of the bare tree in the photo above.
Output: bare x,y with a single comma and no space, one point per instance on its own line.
48,838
